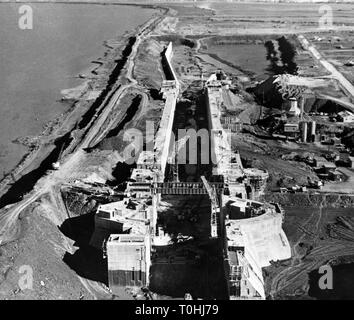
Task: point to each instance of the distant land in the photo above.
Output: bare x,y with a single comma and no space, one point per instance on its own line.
178,1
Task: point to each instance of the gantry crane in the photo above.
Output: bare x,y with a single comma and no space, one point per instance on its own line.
215,208
173,159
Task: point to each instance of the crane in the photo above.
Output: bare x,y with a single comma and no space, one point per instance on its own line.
215,208
173,159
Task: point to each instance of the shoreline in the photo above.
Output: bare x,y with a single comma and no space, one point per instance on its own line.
42,144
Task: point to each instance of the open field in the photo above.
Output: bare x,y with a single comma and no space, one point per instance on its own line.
338,48
261,18
306,227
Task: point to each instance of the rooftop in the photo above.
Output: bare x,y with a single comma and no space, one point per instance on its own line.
126,238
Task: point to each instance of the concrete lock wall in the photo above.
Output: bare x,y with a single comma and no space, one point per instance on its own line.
168,57
163,139
213,116
163,136
265,238
128,263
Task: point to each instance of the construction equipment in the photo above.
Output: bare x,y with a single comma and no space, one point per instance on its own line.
215,208
56,165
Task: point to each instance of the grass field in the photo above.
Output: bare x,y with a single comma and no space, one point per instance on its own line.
306,13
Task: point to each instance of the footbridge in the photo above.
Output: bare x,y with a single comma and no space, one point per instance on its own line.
187,188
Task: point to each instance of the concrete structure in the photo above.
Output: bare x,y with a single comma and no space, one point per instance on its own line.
232,123
128,258
168,60
351,162
252,229
225,162
254,238
290,128
304,132
257,180
157,158
345,116
122,217
185,187
163,135
308,130
294,108
141,181
129,226
313,130
324,168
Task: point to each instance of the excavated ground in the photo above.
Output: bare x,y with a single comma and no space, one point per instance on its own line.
314,227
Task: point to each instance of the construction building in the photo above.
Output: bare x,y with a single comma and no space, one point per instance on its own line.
253,237
128,258
226,162
129,225
122,217
253,230
233,124
345,116
256,179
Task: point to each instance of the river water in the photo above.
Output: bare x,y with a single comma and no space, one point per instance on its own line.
35,65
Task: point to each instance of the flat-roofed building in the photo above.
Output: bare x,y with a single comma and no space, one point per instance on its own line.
128,261
345,116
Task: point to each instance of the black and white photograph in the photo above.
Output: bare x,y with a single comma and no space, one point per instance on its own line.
183,155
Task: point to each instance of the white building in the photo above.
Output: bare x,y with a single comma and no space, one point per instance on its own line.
345,116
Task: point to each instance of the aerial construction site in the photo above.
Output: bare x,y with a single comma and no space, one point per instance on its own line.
213,159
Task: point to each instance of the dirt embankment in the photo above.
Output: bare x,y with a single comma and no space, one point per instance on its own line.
311,200
53,242
55,230
40,254
143,102
147,69
78,204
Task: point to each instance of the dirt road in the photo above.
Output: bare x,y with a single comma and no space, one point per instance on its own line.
335,74
9,225
96,134
297,267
